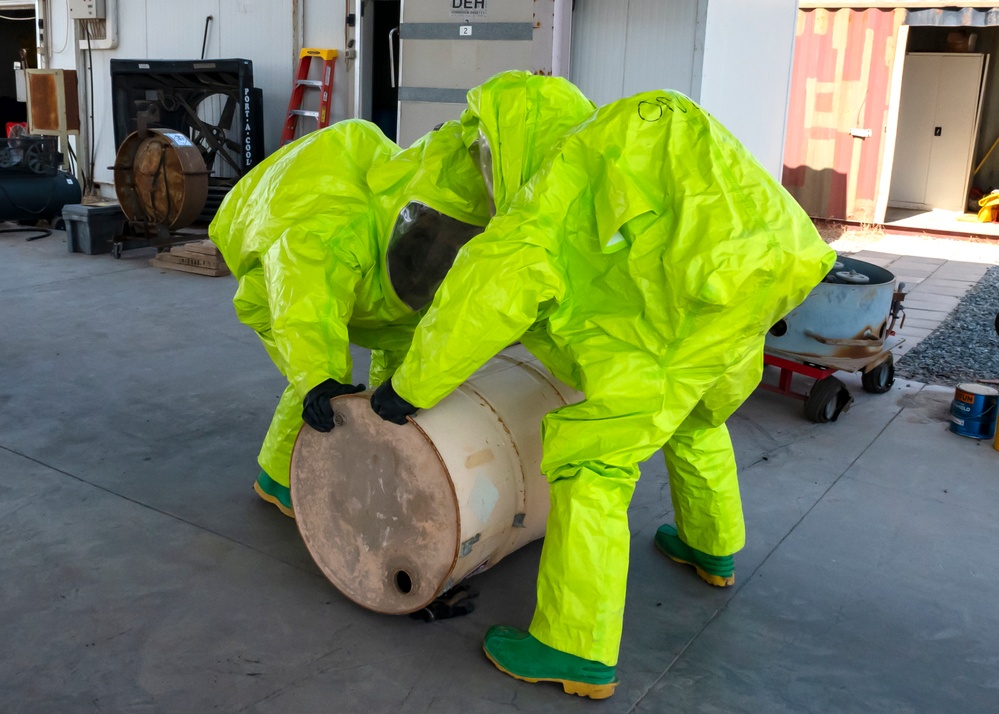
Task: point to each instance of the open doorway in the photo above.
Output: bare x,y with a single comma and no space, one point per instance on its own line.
17,52
946,124
382,56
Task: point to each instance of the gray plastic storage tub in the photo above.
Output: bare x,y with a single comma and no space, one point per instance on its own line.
92,229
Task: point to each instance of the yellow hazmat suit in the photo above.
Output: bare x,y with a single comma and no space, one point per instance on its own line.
643,264
305,235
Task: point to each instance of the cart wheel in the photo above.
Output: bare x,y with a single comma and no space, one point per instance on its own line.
827,399
116,250
879,379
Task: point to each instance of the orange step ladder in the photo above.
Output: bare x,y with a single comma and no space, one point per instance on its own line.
302,82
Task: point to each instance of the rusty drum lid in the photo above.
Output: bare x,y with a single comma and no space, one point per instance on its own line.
376,508
160,178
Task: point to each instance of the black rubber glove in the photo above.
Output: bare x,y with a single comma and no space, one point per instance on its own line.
390,406
454,603
317,411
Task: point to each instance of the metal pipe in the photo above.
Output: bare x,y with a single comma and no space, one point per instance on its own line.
204,41
392,78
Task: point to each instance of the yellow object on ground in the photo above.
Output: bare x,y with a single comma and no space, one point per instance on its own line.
989,207
643,264
305,235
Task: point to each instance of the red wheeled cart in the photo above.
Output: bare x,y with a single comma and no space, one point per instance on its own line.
846,324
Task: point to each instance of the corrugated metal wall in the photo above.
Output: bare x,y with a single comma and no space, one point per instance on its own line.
621,48
843,62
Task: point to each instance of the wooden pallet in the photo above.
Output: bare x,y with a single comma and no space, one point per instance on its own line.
200,257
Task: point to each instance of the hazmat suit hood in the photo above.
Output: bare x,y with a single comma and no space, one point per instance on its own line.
513,120
434,202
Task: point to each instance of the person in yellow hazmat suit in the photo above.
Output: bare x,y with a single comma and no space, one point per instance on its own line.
342,238
306,235
643,264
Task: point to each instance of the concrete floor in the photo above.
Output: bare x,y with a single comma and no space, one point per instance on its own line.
141,574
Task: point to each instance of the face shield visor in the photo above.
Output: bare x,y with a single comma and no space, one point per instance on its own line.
422,248
482,155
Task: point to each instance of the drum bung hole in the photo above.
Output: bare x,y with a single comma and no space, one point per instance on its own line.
403,582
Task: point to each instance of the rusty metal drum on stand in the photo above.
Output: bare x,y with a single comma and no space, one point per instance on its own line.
160,178
396,515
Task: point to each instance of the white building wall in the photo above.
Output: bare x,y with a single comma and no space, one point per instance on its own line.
746,72
625,47
267,32
262,31
731,56
322,25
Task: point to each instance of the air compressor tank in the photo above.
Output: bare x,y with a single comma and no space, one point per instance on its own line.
27,197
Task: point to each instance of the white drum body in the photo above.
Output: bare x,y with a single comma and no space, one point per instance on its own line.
396,515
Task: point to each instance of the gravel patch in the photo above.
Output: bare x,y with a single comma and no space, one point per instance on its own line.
965,347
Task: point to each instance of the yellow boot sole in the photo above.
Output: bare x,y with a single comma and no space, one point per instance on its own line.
580,689
716,580
273,500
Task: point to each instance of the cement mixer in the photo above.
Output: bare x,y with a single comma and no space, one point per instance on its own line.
394,516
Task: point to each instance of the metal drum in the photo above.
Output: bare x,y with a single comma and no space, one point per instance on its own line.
396,515
160,178
844,321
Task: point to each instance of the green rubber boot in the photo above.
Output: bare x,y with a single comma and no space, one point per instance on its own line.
273,492
520,655
718,570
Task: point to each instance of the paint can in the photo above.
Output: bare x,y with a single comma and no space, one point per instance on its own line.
396,515
973,411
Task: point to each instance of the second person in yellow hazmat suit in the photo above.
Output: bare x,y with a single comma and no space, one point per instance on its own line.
307,233
643,264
